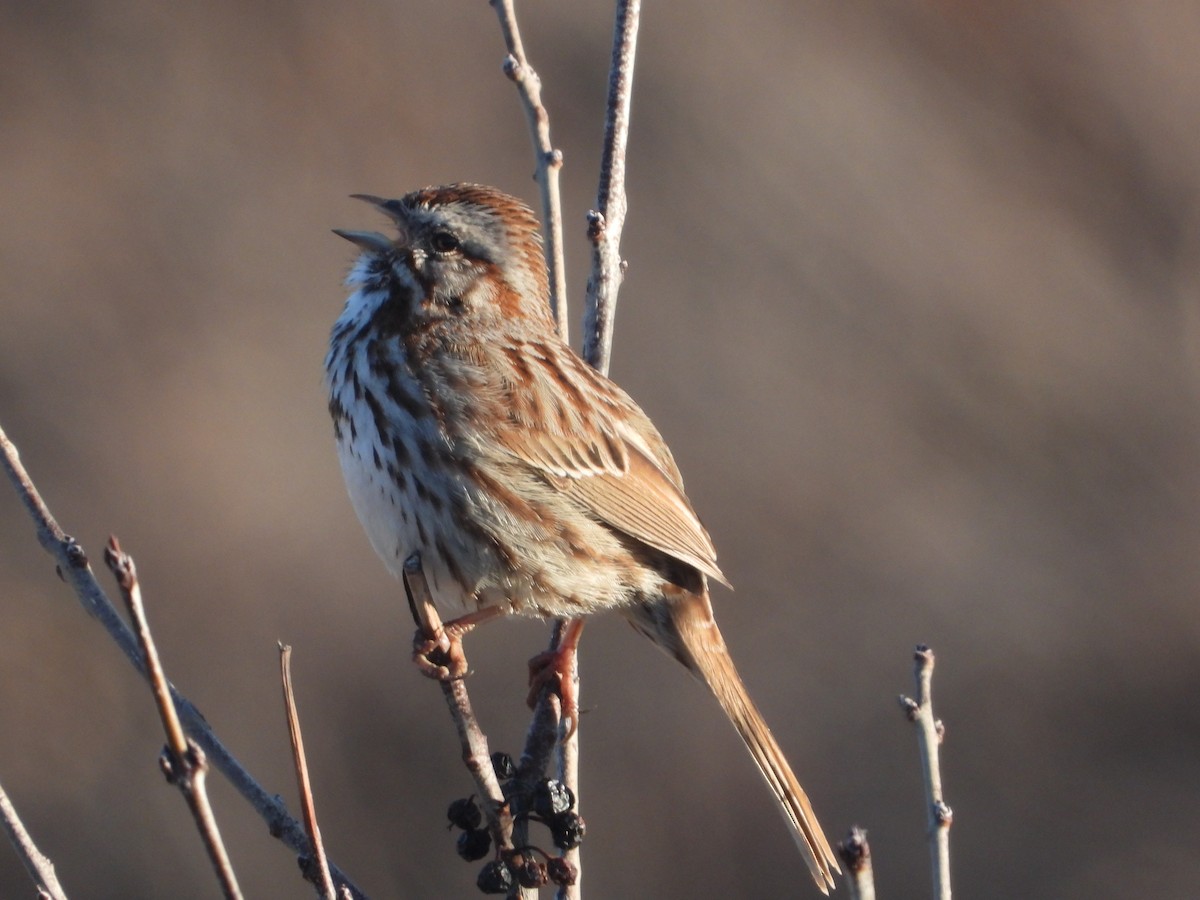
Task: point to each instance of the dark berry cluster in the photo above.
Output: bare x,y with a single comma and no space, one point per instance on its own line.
552,803
523,867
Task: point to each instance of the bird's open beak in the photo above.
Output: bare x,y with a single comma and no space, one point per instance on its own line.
393,209
371,241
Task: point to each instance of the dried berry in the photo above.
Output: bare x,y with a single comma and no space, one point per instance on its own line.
464,814
560,871
530,872
504,765
567,830
495,878
552,797
473,844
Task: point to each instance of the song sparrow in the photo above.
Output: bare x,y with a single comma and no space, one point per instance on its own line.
528,483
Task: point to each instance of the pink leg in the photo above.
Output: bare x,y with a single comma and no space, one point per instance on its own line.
442,657
555,669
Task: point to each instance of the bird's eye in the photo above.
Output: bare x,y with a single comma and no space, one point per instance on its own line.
444,242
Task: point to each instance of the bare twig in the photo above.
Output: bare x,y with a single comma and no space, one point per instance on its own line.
608,219
37,864
545,735
317,868
604,230
545,727
855,852
929,736
474,743
182,760
540,743
74,568
568,774
549,160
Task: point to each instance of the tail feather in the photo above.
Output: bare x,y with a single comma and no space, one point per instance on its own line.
690,634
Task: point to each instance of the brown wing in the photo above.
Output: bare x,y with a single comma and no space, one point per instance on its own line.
607,456
644,503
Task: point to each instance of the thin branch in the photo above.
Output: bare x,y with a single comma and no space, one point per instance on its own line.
608,219
604,230
317,868
73,567
544,736
545,726
474,743
568,774
125,572
855,852
930,733
37,864
549,160
182,761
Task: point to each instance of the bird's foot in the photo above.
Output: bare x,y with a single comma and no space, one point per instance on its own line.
440,657
555,670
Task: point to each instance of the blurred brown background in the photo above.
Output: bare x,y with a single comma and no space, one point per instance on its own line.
912,294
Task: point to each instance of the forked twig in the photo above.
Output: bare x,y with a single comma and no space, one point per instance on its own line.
183,761
855,852
549,160
317,865
606,222
475,752
37,864
930,733
74,569
604,228
546,727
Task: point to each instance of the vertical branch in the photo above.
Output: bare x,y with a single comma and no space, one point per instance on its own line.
605,224
930,733
540,743
549,160
183,761
546,724
37,864
608,219
317,868
568,774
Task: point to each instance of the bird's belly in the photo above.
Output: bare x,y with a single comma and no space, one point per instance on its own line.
401,519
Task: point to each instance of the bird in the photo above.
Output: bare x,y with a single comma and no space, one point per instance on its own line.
472,437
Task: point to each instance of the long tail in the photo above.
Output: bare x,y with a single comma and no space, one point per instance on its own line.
685,628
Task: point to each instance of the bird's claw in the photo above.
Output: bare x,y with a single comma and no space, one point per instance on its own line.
441,657
554,670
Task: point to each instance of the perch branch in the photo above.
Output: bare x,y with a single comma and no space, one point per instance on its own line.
74,568
37,864
182,760
545,735
855,852
930,733
317,865
546,726
549,160
568,774
608,219
474,743
604,230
